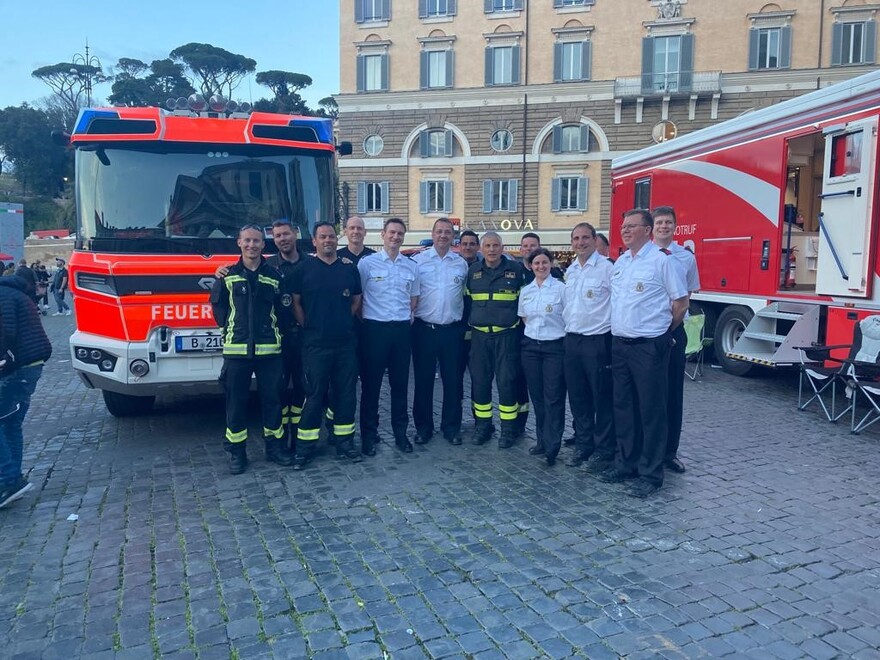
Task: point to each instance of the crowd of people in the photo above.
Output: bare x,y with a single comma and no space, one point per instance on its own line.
40,283
609,335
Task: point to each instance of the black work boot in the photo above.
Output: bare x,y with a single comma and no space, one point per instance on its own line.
508,436
482,434
276,452
345,450
237,458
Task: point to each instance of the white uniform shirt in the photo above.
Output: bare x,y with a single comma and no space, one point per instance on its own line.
542,307
388,286
686,261
642,290
441,286
588,296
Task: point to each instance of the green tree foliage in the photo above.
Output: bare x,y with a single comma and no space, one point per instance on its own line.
38,164
165,80
68,83
329,107
215,70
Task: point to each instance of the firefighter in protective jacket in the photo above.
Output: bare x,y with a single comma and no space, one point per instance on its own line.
248,308
493,286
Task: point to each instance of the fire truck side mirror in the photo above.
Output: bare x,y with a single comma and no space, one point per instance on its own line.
60,138
344,148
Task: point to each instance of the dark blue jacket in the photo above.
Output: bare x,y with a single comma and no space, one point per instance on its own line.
23,334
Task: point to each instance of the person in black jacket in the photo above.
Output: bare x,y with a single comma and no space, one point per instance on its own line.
247,307
24,347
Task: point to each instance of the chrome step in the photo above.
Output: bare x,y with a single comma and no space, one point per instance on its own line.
784,316
764,336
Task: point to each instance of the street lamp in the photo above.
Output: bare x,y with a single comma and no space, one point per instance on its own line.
90,64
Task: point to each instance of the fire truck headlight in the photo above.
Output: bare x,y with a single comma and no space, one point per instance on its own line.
95,354
244,107
217,103
181,103
139,368
107,364
232,106
197,102
96,282
82,354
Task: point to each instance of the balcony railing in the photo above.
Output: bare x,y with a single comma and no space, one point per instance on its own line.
668,84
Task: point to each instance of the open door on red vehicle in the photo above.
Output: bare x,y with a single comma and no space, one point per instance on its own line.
847,201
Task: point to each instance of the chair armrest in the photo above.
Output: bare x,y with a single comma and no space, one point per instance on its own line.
821,353
863,370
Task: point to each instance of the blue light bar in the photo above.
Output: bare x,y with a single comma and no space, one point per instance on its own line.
86,115
323,127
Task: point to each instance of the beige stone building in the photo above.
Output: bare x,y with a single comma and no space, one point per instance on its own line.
506,113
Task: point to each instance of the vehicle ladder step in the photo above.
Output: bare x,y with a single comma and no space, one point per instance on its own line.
764,336
783,316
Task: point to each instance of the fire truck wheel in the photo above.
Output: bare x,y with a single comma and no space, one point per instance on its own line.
125,405
730,325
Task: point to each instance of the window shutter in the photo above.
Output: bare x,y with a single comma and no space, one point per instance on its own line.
490,70
557,139
487,6
836,44
361,73
424,144
447,196
423,8
686,74
870,42
450,67
554,195
358,11
586,59
386,10
362,197
384,187
557,4
514,65
512,185
754,48
517,5
582,193
448,146
451,8
487,195
585,139
423,197
384,82
785,47
424,58
647,64
557,62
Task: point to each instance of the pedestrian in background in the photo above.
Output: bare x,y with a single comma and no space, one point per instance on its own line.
59,287
24,348
541,306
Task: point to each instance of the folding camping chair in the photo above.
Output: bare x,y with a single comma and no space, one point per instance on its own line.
694,327
824,374
863,375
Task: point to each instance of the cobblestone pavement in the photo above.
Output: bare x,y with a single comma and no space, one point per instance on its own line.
767,547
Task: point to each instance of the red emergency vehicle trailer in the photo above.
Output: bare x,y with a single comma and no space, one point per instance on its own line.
779,205
161,196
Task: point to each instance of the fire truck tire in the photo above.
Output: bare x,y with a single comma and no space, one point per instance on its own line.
730,325
125,405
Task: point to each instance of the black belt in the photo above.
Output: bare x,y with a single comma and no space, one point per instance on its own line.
387,322
635,340
601,335
438,326
542,341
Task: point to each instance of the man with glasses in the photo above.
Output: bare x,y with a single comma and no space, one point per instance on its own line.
437,335
648,302
248,308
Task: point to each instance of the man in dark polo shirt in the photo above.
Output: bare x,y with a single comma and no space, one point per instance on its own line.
326,294
355,231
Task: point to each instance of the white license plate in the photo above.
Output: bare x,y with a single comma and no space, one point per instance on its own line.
198,343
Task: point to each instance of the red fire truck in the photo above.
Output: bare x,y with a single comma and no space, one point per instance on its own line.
779,207
160,198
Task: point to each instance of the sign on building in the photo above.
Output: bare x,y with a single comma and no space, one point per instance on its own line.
12,230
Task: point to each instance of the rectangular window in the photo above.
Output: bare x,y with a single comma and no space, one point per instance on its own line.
642,196
373,71
846,154
366,11
435,196
437,7
505,5
853,43
667,63
499,195
372,197
569,193
768,48
436,69
435,143
572,3
571,61
502,65
853,38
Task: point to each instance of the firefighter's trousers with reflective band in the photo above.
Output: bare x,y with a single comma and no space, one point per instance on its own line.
292,392
494,355
328,372
236,379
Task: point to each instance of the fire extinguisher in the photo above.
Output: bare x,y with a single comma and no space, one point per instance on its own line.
790,276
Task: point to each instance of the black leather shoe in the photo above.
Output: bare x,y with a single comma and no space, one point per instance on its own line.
368,448
404,445
641,488
506,440
452,439
537,450
577,459
237,460
675,465
482,435
277,453
422,437
568,442
615,476
551,460
299,462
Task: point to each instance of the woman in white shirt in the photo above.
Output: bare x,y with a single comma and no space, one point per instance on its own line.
540,307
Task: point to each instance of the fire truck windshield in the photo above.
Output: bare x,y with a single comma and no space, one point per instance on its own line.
194,199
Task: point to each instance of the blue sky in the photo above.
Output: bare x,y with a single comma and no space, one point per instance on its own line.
292,35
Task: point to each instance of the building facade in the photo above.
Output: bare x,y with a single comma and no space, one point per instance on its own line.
506,114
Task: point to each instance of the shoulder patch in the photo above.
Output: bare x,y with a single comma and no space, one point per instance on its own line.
510,274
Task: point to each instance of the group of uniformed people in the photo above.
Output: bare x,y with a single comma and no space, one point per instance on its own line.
608,334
